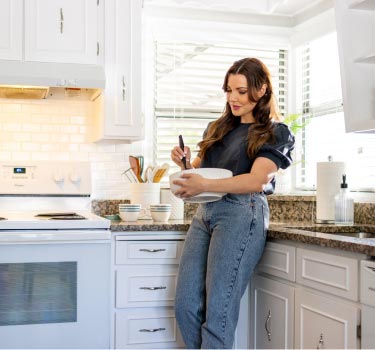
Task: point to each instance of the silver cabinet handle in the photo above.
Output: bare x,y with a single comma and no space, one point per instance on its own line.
123,88
152,250
151,330
371,268
267,324
61,20
372,289
321,342
153,288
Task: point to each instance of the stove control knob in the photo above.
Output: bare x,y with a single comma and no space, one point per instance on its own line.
75,178
58,178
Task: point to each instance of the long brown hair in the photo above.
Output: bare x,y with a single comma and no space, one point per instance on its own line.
264,112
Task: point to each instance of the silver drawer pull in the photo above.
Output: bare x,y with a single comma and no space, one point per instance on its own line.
153,288
266,325
152,250
371,268
151,330
320,342
372,289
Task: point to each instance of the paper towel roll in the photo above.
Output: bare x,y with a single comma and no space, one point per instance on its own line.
328,180
167,197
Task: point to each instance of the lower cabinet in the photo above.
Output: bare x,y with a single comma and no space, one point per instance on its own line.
145,266
317,309
272,314
324,323
149,328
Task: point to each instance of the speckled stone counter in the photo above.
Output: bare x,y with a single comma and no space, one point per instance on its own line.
292,231
297,232
150,225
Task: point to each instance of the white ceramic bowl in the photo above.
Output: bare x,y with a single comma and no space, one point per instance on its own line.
161,216
129,215
209,173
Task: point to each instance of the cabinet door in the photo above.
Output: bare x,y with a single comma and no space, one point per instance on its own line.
11,29
122,98
355,22
272,305
64,31
323,323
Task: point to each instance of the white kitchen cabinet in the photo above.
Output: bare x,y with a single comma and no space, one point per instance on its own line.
355,21
11,26
144,278
305,297
272,314
324,323
64,31
59,31
118,114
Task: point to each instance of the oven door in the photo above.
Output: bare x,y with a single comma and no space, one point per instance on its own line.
54,294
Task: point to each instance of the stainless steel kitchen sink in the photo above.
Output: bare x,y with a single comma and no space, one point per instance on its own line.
362,232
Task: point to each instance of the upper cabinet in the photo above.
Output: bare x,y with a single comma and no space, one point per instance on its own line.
355,21
64,31
60,31
11,18
118,110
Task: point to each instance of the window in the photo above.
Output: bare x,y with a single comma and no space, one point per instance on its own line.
319,102
188,89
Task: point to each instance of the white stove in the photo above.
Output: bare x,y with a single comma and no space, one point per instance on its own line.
51,220
54,259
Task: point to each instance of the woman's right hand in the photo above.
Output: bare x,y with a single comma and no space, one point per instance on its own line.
177,154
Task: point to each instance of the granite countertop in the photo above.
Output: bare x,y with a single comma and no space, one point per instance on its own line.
292,231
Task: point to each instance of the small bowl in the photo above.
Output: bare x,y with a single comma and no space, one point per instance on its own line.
209,173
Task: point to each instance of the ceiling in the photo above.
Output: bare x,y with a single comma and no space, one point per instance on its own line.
283,8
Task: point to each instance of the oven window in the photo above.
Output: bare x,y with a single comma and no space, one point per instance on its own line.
32,293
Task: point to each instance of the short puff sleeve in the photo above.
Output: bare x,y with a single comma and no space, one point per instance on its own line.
279,151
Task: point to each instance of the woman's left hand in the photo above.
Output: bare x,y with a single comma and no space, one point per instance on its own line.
191,185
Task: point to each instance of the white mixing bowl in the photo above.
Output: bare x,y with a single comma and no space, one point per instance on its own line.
209,173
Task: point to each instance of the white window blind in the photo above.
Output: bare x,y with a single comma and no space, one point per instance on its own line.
320,103
188,89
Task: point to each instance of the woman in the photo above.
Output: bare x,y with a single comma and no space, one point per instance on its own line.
226,238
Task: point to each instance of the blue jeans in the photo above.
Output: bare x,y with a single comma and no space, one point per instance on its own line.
224,243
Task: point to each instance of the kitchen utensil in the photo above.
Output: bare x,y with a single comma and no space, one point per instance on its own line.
131,175
182,146
141,161
209,173
134,164
149,174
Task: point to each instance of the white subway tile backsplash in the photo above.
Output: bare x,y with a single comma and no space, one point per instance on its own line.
11,108
55,130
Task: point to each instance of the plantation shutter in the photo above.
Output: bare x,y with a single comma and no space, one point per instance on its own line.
188,89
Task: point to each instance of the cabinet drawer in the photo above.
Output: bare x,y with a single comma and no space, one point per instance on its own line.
147,329
278,260
326,272
145,286
150,252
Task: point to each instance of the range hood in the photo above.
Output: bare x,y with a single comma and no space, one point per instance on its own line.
33,79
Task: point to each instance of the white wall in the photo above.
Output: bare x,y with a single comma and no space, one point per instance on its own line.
56,130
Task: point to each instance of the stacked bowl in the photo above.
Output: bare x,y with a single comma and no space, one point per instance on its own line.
129,212
160,212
